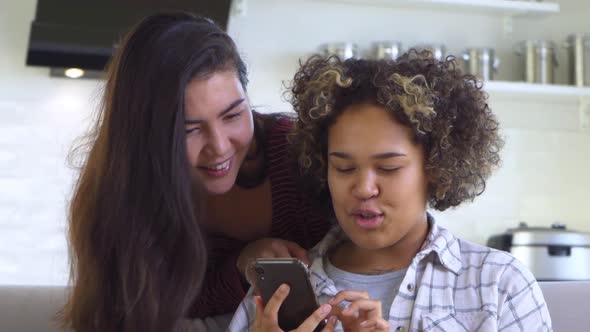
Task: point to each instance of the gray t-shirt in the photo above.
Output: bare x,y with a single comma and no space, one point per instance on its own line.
383,287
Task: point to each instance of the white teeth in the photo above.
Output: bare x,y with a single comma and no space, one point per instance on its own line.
221,166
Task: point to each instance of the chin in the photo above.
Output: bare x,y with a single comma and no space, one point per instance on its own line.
371,241
369,245
219,187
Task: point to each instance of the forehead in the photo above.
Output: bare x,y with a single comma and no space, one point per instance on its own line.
212,93
369,128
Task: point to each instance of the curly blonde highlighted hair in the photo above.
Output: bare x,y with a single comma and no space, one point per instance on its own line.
446,110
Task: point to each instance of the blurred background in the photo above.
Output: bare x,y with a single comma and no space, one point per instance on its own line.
542,103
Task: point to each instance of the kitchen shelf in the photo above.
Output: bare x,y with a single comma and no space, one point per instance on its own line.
544,93
503,7
541,91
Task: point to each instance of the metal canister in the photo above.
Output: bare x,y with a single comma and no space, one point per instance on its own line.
438,51
578,46
481,62
343,50
389,50
539,60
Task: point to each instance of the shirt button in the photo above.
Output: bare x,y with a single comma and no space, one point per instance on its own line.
400,328
410,287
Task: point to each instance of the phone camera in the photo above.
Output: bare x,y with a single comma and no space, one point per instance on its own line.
259,270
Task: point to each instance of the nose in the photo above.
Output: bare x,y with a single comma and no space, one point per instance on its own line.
365,186
218,142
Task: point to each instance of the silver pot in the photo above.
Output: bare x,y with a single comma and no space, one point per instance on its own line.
481,62
538,60
389,50
343,50
554,253
578,46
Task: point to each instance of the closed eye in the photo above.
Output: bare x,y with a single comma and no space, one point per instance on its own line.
193,130
389,169
345,170
233,116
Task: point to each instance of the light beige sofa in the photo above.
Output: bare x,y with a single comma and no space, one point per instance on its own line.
31,309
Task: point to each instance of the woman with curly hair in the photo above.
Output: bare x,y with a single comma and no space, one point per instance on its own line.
379,142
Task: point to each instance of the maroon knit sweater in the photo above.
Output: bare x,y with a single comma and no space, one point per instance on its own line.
292,219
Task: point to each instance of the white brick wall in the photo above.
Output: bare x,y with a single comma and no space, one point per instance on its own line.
39,119
546,172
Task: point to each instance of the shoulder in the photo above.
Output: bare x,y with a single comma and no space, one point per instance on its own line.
478,262
272,131
275,141
477,254
279,125
243,317
517,292
503,284
270,123
499,266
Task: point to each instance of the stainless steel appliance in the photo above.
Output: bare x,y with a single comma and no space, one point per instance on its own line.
551,253
481,62
389,50
578,46
343,50
538,60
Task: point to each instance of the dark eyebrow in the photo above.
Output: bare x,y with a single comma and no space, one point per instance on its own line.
224,112
388,155
385,155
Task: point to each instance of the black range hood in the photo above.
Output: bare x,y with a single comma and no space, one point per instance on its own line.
84,34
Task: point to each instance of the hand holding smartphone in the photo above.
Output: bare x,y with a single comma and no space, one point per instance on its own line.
301,301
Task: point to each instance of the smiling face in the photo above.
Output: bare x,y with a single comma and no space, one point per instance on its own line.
376,179
219,129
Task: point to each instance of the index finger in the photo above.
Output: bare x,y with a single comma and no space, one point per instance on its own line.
315,319
370,309
349,296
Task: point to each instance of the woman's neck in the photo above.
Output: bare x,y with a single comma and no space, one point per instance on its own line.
349,257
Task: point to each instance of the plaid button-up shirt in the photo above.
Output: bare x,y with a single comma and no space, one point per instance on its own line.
451,285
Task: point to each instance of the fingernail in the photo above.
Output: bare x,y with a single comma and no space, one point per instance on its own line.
332,320
326,308
283,288
365,323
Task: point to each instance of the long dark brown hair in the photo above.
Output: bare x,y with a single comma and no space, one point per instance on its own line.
137,253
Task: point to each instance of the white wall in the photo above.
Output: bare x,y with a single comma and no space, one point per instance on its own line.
39,118
546,171
545,176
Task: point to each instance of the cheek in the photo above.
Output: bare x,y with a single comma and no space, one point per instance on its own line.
407,186
241,134
193,149
338,190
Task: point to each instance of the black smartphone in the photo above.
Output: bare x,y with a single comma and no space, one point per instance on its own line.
301,301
